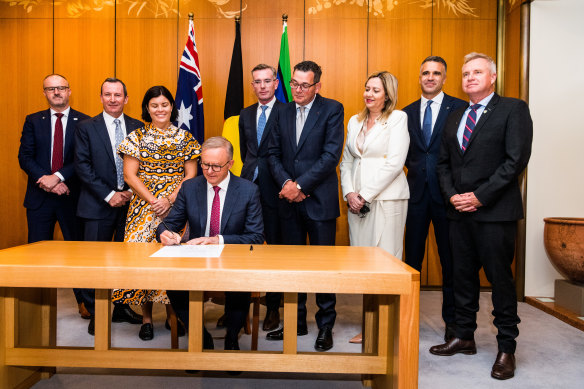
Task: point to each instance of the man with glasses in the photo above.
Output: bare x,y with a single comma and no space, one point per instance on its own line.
46,156
255,124
220,208
305,149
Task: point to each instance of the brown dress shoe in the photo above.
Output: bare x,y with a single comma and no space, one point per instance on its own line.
455,346
84,312
504,367
272,321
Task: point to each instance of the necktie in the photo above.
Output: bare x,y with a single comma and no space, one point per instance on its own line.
260,133
119,163
215,225
471,122
300,119
57,160
427,124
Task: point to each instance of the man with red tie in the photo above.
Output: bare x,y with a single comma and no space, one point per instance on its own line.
46,156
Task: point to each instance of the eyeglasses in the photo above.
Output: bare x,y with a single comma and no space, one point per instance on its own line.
304,87
267,81
54,88
215,168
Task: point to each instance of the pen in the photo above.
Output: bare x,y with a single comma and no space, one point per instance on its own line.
250,247
168,229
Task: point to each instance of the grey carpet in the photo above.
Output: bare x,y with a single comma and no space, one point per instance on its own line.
549,353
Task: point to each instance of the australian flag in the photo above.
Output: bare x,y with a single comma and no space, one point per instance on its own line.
189,90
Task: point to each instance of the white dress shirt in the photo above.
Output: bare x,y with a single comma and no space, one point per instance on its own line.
210,196
270,105
64,122
434,107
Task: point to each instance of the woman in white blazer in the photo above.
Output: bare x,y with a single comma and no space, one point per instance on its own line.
372,169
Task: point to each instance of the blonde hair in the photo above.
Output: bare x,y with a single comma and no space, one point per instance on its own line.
474,55
389,83
218,142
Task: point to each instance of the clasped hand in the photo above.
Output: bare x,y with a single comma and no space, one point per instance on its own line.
291,193
355,202
465,202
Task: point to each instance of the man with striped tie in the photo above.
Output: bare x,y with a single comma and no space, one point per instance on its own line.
485,147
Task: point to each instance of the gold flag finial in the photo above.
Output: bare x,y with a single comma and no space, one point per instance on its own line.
191,15
284,17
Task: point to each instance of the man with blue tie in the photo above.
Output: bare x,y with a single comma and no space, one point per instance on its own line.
305,149
426,119
255,124
104,197
221,209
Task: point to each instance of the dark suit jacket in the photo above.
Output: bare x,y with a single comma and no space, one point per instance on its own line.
35,156
498,151
241,217
421,160
253,155
95,166
313,162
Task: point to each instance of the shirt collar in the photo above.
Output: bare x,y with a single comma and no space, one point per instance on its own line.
223,184
65,112
484,102
270,104
436,99
110,119
307,106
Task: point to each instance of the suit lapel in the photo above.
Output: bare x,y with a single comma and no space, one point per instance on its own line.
70,131
201,201
45,135
291,121
445,109
311,120
269,123
417,126
230,199
487,112
101,130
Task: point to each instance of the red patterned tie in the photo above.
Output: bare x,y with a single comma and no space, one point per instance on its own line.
471,122
57,161
215,225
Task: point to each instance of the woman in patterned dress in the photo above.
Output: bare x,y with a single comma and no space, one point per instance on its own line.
157,159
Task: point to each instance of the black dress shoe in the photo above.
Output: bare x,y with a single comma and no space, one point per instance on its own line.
324,340
207,340
279,334
504,367
146,332
231,344
455,346
449,332
181,327
123,313
91,326
272,320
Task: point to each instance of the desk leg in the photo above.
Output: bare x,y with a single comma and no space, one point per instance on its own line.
290,323
195,321
49,325
370,330
102,319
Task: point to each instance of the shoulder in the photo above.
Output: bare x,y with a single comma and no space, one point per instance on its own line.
76,114
135,123
454,102
411,108
329,103
354,121
249,110
38,115
243,186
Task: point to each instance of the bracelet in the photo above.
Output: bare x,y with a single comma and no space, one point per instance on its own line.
170,202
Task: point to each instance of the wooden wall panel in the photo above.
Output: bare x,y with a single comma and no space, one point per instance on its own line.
512,52
29,43
84,53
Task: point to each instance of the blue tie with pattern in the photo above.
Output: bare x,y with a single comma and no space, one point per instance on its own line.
260,132
427,125
471,122
119,163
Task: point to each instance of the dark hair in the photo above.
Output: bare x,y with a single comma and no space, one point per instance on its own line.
435,58
153,92
114,80
263,66
310,66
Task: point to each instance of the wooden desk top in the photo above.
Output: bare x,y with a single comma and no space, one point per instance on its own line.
109,265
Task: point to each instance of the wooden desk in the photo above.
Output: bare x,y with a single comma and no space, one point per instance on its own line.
390,289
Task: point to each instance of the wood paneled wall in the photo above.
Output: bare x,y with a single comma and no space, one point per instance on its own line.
142,46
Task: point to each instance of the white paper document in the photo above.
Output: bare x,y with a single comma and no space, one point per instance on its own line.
190,251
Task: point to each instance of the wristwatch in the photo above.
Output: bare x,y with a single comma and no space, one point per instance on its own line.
298,186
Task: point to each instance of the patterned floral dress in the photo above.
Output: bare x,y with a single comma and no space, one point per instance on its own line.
162,155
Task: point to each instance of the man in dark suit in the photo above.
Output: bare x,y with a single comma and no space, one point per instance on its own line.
221,209
104,197
46,156
426,119
255,124
305,148
485,147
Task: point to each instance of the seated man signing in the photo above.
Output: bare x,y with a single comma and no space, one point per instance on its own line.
221,209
